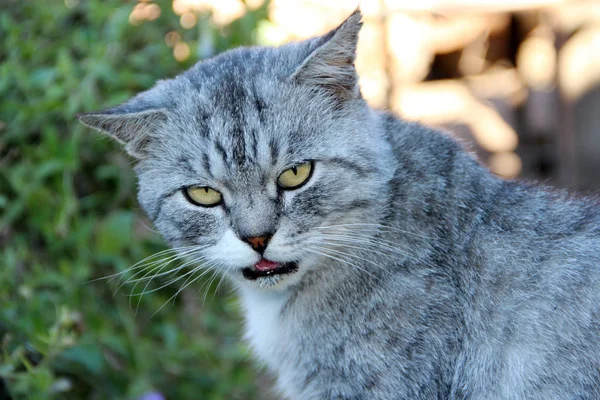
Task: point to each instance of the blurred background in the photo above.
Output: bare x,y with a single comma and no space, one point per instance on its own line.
518,81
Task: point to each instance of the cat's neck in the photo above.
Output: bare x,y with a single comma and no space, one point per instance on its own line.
262,312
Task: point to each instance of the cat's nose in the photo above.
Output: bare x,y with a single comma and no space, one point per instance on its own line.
258,243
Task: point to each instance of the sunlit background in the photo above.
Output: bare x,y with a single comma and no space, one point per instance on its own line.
517,81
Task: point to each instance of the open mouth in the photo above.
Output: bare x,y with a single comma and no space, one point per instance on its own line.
269,268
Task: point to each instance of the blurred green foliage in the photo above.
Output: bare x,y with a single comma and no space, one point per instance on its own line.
68,216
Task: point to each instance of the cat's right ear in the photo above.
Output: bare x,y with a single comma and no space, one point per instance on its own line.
133,124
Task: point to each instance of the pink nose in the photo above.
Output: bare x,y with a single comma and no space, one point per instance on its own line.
258,243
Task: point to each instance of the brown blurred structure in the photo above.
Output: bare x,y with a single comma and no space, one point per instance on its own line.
520,80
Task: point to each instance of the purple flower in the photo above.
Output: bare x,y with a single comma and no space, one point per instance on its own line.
151,396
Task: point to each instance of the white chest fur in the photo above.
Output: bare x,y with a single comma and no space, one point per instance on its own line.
263,324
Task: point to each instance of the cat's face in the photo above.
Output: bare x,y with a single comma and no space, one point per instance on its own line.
255,165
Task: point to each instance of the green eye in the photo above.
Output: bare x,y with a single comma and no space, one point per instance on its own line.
202,196
296,176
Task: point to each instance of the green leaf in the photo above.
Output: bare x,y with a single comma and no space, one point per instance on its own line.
115,233
87,356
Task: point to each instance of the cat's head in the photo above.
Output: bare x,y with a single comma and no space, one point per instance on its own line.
253,156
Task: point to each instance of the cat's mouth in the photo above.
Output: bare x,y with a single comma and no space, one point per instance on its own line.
269,268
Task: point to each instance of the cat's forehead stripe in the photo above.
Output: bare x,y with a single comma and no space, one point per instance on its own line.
221,151
202,118
254,144
238,148
206,164
274,146
242,134
184,161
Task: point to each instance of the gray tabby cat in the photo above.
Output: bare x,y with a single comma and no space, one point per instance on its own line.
374,258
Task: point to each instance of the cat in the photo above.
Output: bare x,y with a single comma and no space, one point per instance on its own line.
374,258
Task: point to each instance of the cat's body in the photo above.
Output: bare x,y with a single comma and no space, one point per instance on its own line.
494,301
397,267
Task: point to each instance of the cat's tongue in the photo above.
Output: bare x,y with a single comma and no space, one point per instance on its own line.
266,265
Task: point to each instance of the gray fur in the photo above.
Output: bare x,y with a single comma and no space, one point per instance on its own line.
438,280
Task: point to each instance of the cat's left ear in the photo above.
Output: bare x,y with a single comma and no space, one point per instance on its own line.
331,64
133,124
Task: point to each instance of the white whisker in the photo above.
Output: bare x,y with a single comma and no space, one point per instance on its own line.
136,265
321,252
350,255
379,226
154,266
208,288
185,285
345,240
190,254
149,269
218,285
177,278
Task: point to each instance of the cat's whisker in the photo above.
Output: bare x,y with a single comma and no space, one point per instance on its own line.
352,234
143,223
351,255
375,227
177,278
208,288
135,266
199,267
379,226
147,263
218,285
362,240
357,246
157,266
162,273
213,265
364,243
144,291
354,240
344,261
162,252
322,252
207,267
154,266
150,268
185,285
